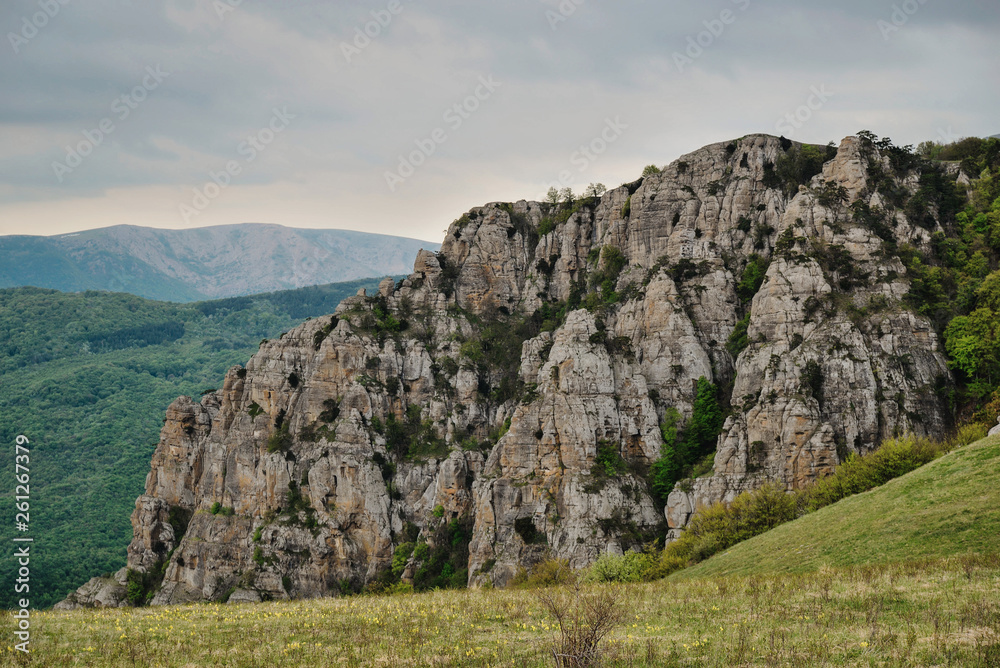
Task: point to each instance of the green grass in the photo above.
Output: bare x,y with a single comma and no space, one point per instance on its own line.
948,507
917,614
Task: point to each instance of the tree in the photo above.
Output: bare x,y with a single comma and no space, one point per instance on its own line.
567,196
552,197
650,170
973,343
595,190
706,423
677,456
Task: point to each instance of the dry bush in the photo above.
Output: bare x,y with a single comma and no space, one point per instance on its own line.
585,617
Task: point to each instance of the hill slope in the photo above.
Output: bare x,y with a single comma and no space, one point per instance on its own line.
948,507
202,263
87,378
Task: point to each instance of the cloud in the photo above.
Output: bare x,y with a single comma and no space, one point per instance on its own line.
355,116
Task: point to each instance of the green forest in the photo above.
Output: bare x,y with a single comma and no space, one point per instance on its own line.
87,377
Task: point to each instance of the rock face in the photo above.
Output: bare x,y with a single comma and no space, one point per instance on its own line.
509,393
102,592
995,431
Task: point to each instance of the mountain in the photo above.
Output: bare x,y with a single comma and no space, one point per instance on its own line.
563,380
201,263
87,378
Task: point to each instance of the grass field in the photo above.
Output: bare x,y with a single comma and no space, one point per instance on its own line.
919,614
948,507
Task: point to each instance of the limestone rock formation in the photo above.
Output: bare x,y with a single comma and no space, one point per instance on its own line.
502,404
102,592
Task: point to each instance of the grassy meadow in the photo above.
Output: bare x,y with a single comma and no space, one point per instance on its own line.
948,507
927,613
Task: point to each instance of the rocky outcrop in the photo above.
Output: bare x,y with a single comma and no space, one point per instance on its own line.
503,403
102,592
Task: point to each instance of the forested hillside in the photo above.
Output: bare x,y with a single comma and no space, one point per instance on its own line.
87,378
959,284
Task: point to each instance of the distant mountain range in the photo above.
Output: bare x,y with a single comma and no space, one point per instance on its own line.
201,263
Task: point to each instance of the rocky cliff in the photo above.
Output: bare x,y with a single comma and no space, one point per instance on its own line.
503,404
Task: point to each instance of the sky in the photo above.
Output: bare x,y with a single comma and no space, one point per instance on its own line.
396,116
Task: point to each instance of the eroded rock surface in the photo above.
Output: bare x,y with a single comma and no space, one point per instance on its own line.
512,388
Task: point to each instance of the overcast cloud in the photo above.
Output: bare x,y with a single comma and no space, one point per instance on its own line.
309,118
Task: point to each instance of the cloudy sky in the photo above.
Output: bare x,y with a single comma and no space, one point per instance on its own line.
395,116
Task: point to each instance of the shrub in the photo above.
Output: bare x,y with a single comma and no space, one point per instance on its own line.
401,556
858,474
628,567
134,591
412,436
398,589
140,587
547,573
666,471
280,440
738,340
445,565
584,619
609,461
216,508
719,526
753,278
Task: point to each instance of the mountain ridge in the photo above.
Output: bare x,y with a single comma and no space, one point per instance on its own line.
201,263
